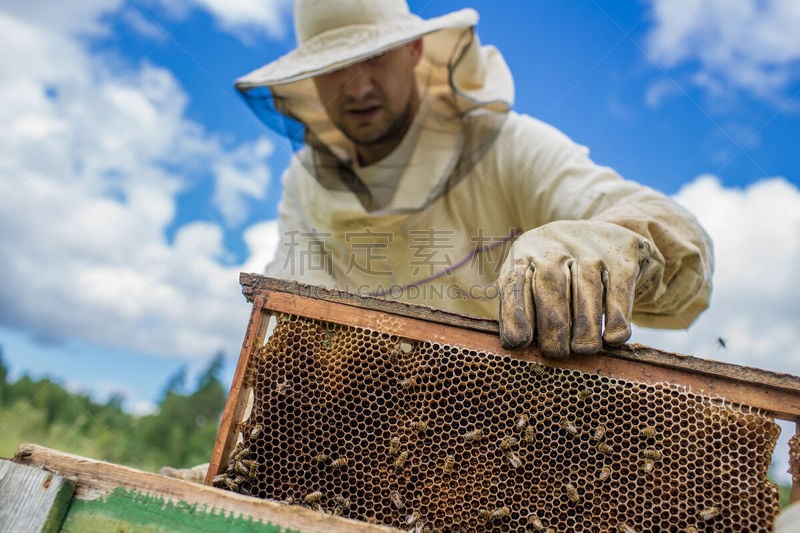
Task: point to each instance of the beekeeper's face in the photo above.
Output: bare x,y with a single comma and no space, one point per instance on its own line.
373,102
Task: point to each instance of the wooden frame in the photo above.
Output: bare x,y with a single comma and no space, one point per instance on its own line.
775,393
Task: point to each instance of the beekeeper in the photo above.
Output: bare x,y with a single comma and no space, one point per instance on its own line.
415,180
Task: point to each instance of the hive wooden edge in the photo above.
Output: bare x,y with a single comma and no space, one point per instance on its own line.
94,479
256,285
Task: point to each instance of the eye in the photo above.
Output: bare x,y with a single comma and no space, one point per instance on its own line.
378,58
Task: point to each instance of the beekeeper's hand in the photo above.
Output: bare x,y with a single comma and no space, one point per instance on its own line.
571,284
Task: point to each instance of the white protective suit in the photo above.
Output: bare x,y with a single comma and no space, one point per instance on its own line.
448,253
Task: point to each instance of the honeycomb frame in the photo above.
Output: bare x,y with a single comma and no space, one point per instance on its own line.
417,419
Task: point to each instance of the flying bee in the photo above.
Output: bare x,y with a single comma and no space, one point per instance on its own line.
647,432
497,514
508,442
709,513
413,518
338,462
584,394
572,493
408,383
535,522
418,426
568,426
622,527
652,453
522,422
321,458
401,459
607,449
530,434
394,445
514,459
605,473
313,497
647,466
397,500
473,435
599,432
449,463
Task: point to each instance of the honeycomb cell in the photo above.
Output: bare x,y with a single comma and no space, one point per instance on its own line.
427,436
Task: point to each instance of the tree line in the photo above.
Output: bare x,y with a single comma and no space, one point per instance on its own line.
179,433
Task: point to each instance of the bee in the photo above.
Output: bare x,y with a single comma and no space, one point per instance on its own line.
572,493
709,513
394,445
607,449
418,426
401,459
497,514
530,434
568,426
535,522
256,431
342,501
321,458
397,500
584,394
647,432
622,527
313,497
599,433
647,466
652,453
282,388
508,442
538,368
522,422
605,473
240,468
219,479
449,463
473,435
339,462
241,453
230,484
408,383
514,459
413,518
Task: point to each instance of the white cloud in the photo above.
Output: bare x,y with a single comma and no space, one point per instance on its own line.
754,306
87,189
240,175
751,45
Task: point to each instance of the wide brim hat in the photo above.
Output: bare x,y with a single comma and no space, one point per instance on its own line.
335,35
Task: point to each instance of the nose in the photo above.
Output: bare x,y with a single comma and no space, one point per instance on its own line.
358,81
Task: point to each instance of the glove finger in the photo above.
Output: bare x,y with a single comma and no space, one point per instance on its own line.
587,309
517,315
551,299
619,305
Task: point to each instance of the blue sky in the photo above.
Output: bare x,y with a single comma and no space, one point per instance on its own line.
135,184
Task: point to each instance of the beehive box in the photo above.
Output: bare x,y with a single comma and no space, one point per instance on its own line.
418,419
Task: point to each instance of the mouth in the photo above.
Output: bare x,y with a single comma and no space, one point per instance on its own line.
365,112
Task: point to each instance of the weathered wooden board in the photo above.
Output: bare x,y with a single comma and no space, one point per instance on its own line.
31,499
110,497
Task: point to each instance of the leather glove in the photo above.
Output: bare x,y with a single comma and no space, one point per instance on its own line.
562,279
